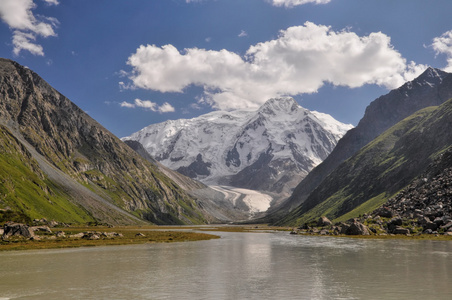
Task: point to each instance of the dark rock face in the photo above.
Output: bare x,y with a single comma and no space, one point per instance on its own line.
256,176
198,167
17,229
431,88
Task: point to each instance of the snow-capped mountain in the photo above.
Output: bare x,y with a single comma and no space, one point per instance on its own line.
270,149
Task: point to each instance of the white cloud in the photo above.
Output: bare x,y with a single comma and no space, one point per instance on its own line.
166,107
52,2
127,104
443,45
149,105
24,41
242,33
299,61
292,3
286,3
18,15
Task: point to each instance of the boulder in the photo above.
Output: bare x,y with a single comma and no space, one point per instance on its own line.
41,228
60,234
91,236
438,221
343,228
393,223
53,223
324,221
77,235
447,226
430,225
385,212
357,228
17,229
400,230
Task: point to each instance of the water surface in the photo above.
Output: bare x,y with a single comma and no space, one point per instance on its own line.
237,266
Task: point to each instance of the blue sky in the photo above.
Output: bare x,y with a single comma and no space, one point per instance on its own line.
133,63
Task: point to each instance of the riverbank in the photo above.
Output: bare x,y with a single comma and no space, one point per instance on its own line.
89,236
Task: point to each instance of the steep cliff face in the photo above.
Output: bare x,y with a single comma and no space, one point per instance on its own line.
431,88
76,145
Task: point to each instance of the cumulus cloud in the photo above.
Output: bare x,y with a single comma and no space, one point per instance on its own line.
292,3
149,105
443,45
18,15
301,60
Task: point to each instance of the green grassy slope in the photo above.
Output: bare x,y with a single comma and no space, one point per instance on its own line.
26,193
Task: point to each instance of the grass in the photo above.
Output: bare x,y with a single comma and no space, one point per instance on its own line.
25,189
129,237
366,207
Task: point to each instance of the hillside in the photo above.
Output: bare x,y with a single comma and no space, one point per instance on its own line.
77,159
381,169
431,88
429,195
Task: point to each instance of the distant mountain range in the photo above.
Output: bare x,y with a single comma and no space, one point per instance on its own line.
270,149
58,163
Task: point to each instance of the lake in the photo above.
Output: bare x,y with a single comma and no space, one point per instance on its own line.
237,266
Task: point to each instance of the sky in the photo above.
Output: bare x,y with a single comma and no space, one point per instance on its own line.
129,64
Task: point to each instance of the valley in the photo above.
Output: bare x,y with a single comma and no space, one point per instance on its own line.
280,164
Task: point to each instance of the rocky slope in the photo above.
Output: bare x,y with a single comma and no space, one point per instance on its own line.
270,149
425,206
427,201
431,88
381,169
81,161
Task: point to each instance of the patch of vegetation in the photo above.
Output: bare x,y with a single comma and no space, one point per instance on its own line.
364,208
25,193
130,235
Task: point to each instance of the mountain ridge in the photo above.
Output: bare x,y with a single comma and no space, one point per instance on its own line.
380,169
270,149
431,88
89,160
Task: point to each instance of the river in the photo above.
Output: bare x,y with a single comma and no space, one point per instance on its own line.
237,266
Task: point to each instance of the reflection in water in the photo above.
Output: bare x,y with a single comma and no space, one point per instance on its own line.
238,266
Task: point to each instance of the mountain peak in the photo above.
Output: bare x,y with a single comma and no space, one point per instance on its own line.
431,76
284,104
